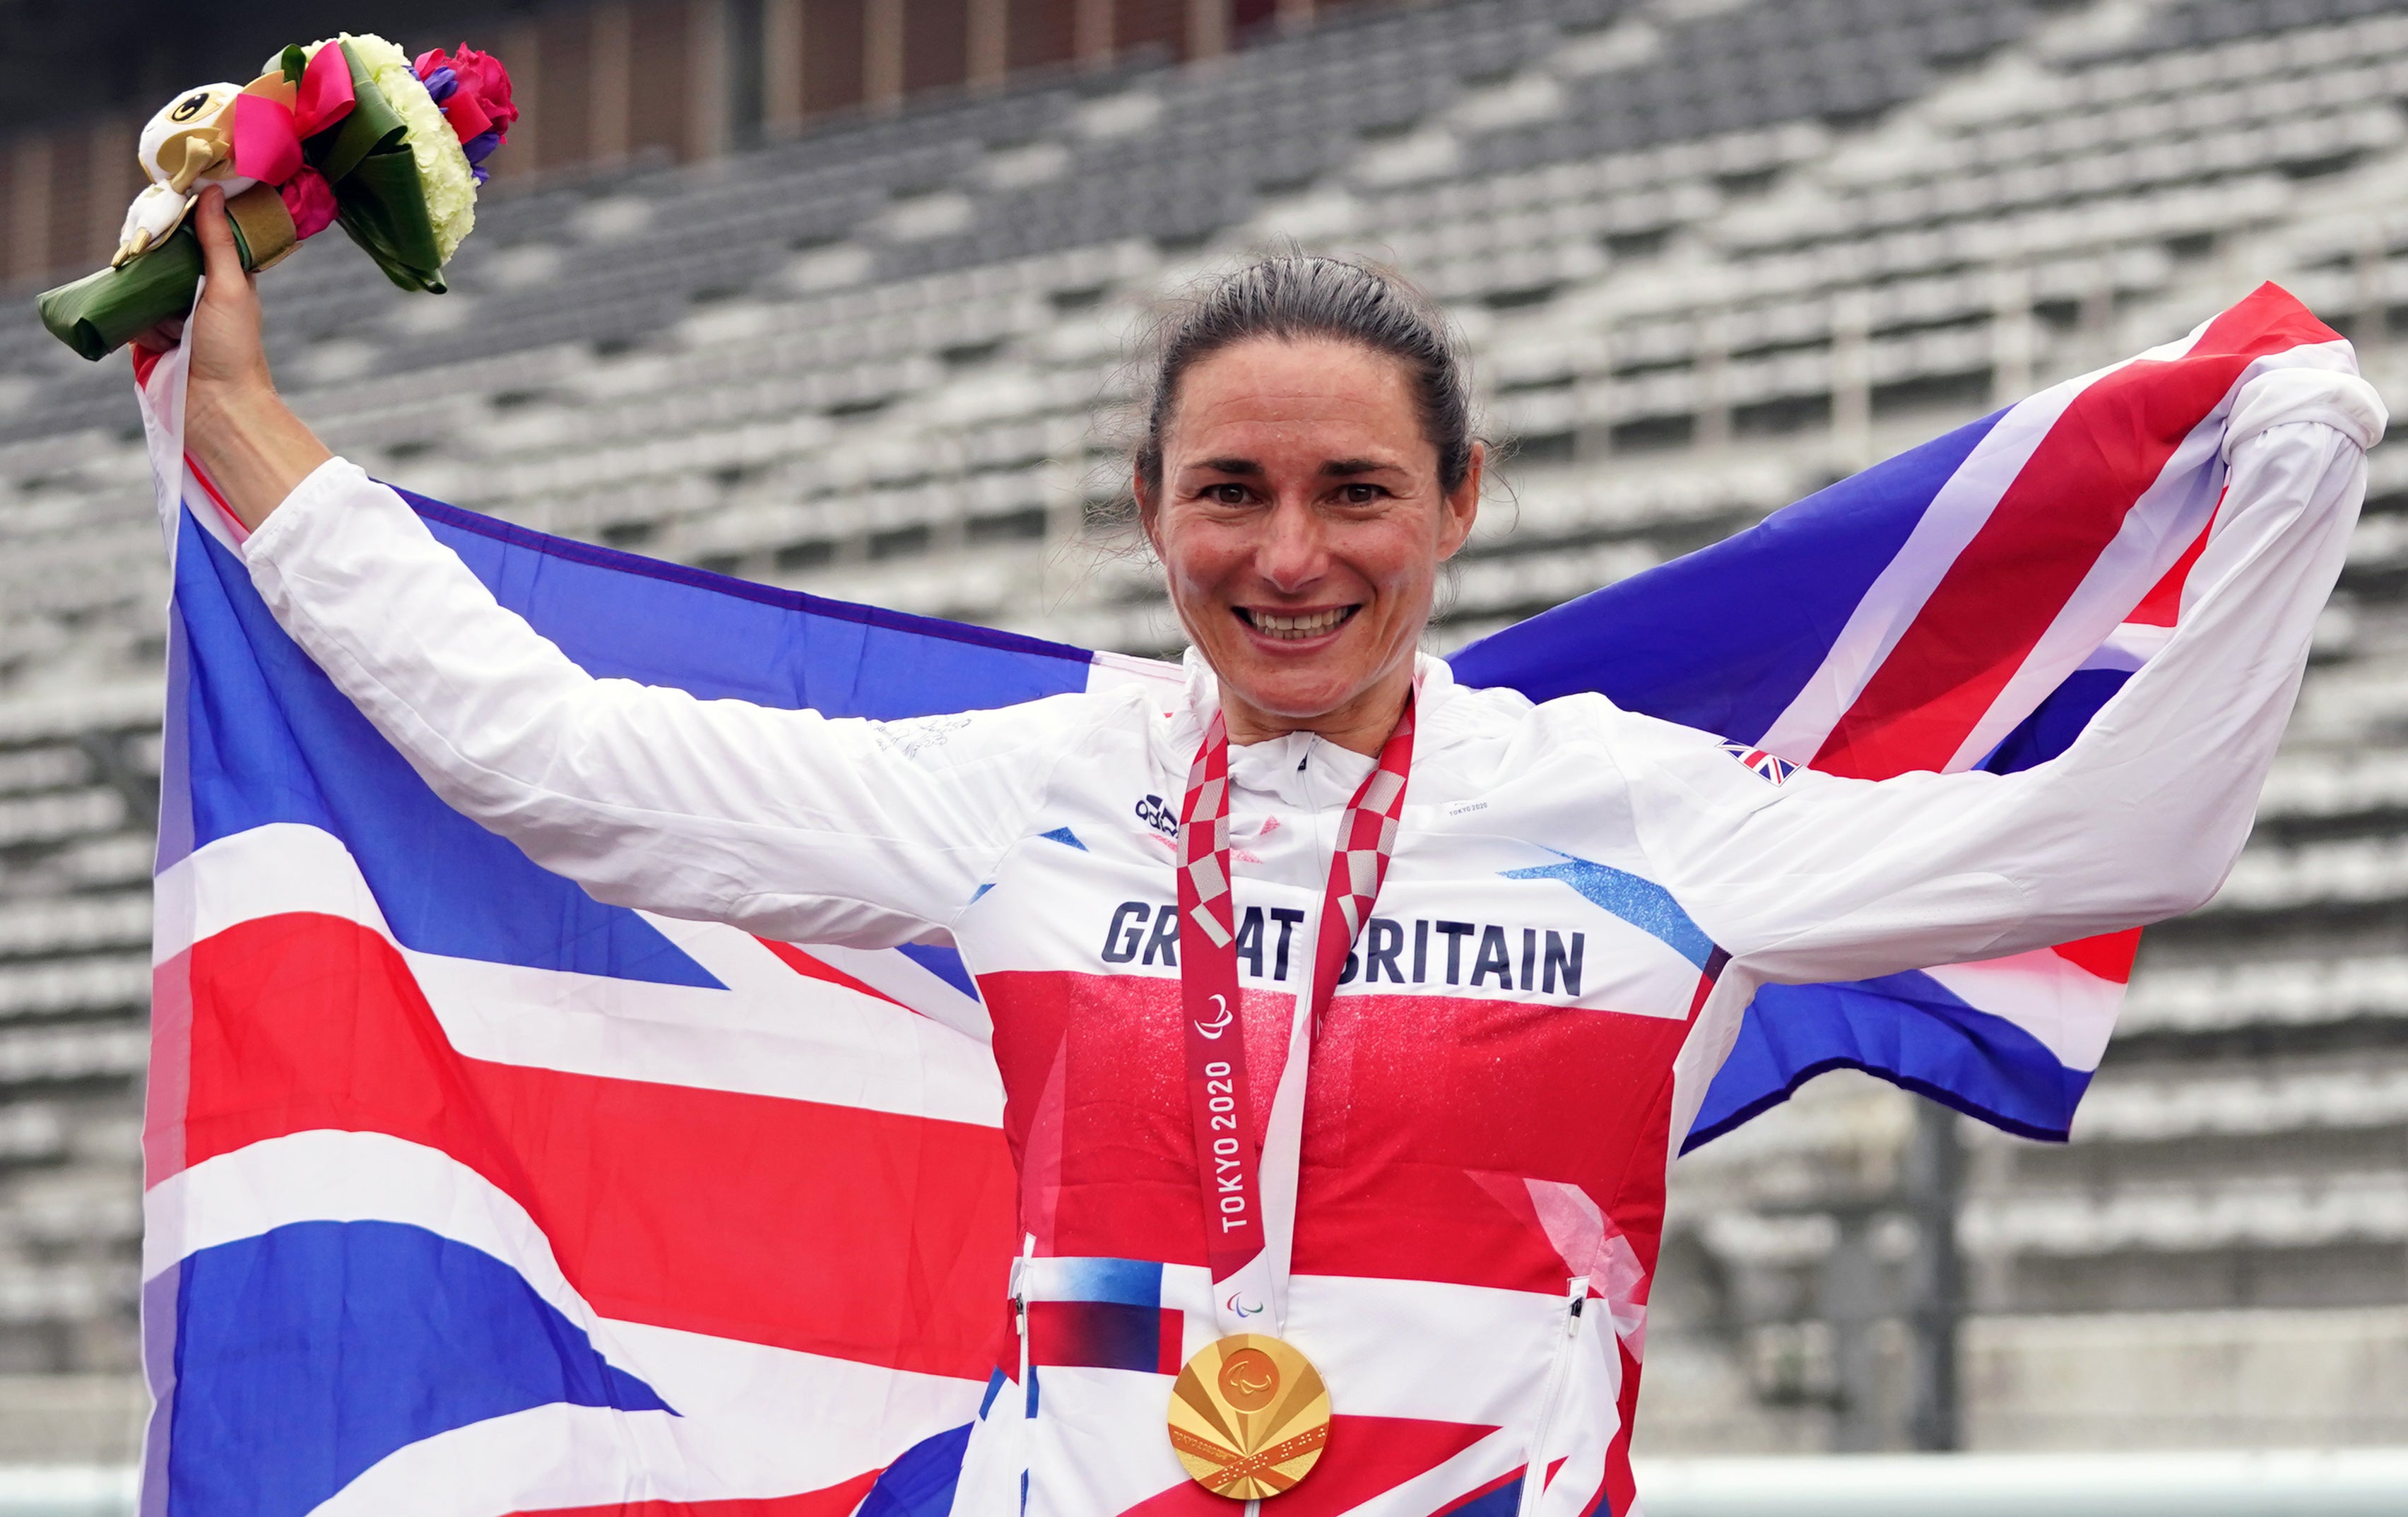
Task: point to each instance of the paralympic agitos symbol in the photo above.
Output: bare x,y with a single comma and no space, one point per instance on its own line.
1249,1379
1220,1025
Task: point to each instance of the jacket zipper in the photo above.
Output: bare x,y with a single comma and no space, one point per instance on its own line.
1019,1265
1534,1475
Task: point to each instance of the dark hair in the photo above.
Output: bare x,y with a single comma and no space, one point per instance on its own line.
1297,296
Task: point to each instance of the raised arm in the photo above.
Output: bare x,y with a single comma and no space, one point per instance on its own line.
781,822
785,822
1829,879
254,449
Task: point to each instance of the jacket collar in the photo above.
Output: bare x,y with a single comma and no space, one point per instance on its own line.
1269,766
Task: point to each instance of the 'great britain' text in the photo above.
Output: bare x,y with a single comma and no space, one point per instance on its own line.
1419,951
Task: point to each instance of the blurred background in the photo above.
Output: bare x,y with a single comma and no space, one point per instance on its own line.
829,292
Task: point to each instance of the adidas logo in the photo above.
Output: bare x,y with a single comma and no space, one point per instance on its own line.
1154,814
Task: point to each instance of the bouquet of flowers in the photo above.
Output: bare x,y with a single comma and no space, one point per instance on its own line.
347,132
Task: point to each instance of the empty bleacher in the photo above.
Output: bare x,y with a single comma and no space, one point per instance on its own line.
1710,254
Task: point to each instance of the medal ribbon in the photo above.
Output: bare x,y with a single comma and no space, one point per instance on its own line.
1247,1252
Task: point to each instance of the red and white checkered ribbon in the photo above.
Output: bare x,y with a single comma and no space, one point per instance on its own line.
1249,1278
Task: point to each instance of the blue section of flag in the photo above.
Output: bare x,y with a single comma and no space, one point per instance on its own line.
621,615
921,1481
1724,638
945,963
2053,725
1644,904
1133,1283
1504,1501
1907,1028
260,719
308,1353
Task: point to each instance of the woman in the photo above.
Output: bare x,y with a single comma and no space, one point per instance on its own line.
1357,1084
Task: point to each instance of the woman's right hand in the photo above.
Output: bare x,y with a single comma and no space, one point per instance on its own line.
241,432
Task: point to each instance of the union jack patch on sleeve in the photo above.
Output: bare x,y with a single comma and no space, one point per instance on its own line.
1771,767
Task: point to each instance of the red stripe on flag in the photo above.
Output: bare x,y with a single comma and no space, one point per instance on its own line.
833,1501
2109,956
1169,1355
2056,516
233,522
804,964
861,1235
2162,605
1619,1491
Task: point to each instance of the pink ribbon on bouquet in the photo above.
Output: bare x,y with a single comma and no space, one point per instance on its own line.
268,129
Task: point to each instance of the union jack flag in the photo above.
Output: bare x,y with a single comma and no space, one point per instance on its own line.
469,1195
1772,767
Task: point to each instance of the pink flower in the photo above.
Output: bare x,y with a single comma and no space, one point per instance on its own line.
309,202
481,101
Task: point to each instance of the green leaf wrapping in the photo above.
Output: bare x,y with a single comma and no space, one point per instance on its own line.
379,197
380,201
383,204
102,312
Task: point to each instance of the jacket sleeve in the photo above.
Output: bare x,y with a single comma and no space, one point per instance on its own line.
784,822
1824,877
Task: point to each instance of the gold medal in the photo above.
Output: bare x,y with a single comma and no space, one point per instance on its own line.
1249,1416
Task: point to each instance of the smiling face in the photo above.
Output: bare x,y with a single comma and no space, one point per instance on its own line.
1301,522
